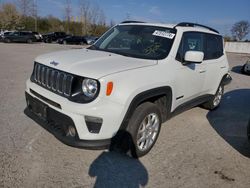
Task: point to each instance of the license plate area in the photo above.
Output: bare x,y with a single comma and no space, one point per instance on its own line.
38,108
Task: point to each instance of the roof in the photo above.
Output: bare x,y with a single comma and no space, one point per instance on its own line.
187,26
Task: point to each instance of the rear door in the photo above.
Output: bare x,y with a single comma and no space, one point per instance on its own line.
213,60
23,36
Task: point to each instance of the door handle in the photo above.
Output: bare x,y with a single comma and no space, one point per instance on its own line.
223,67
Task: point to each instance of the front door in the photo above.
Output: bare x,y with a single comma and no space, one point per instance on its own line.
190,76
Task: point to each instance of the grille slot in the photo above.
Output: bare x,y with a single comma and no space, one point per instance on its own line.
54,80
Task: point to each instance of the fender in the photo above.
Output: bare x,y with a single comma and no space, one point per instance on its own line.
151,95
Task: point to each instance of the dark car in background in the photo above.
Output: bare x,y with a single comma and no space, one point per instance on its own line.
54,36
3,35
91,39
38,36
73,40
246,67
20,36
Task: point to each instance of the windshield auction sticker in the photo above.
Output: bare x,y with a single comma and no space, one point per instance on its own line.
163,34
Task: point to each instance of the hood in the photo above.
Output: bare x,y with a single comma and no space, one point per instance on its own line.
91,63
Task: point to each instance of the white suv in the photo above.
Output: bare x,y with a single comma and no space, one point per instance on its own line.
121,89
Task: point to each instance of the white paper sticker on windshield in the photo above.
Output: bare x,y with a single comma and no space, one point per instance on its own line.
163,34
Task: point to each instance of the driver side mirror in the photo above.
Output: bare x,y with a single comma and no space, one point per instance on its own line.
193,57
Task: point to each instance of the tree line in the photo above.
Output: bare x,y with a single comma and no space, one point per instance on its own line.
23,15
239,31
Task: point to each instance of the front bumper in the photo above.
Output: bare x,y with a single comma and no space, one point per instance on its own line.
112,113
58,124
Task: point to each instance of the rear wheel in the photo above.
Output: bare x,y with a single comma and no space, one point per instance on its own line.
143,130
214,102
29,41
48,40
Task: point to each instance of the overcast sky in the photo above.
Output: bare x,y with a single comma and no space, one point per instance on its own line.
220,14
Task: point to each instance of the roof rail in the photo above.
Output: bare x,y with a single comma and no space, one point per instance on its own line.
131,21
188,24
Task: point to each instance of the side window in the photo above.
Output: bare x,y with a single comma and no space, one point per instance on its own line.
214,46
191,41
16,33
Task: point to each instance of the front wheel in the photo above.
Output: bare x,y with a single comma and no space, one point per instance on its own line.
214,102
144,128
7,40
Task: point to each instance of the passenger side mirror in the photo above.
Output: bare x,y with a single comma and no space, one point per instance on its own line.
193,57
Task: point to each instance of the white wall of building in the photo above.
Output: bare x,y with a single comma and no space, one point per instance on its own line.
237,47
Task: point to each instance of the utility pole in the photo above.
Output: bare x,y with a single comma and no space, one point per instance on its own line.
34,12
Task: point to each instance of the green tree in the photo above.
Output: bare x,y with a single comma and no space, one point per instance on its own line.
10,18
55,24
240,29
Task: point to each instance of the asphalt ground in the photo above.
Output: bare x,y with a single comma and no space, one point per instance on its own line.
197,148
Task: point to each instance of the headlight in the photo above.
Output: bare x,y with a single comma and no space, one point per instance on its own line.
89,87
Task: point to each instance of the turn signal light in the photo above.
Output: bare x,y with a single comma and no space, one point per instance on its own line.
109,88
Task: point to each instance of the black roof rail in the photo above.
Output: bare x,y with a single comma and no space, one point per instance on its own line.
131,21
188,24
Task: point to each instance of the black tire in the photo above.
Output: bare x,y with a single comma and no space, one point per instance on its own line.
64,42
29,41
7,41
128,141
214,102
48,40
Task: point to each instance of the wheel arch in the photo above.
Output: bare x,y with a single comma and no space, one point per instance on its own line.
161,96
226,79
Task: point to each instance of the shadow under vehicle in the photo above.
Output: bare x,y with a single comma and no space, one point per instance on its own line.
230,121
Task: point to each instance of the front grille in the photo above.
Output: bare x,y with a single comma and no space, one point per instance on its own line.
52,79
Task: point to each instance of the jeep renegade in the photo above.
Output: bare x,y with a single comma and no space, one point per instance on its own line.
131,80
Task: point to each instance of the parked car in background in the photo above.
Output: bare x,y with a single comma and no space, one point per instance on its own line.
246,68
4,34
38,36
91,39
54,37
20,36
73,40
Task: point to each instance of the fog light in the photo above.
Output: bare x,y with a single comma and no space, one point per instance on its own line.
93,123
71,131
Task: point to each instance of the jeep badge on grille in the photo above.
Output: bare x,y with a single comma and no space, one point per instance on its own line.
54,63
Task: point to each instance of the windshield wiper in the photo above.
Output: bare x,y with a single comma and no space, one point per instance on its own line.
93,47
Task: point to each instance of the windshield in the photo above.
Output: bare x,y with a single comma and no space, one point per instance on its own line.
139,41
